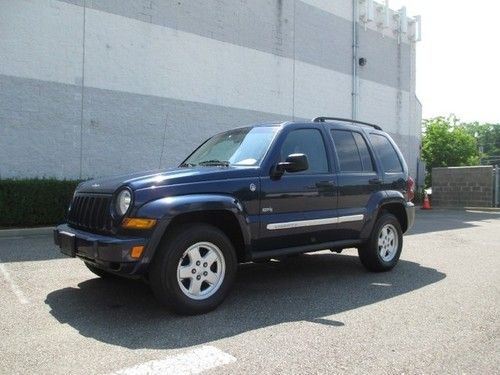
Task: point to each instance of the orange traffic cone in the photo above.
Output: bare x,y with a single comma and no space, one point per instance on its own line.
426,205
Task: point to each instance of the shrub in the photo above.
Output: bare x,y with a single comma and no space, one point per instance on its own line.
34,202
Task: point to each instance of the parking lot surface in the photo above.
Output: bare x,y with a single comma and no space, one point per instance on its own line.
436,312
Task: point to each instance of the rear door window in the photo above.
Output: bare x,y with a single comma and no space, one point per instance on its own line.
352,151
386,153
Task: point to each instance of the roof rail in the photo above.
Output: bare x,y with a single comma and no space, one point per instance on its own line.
324,119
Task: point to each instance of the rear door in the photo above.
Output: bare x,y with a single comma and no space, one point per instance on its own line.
358,178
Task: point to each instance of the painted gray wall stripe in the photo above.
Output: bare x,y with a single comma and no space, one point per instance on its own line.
314,222
40,129
122,132
323,38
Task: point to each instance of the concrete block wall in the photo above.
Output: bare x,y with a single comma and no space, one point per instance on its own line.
92,88
463,186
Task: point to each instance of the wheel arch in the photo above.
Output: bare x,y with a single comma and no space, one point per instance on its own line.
221,211
397,209
223,220
392,202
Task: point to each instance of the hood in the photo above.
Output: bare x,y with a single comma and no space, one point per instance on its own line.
141,180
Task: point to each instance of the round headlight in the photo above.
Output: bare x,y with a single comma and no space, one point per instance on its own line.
123,201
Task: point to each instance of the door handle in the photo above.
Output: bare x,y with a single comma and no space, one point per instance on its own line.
375,181
325,184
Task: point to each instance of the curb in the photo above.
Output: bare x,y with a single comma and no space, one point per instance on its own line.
491,209
16,232
442,208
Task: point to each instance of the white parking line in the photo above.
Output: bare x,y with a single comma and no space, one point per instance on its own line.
13,286
191,362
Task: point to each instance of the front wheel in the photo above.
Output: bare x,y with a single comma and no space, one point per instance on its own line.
382,251
194,270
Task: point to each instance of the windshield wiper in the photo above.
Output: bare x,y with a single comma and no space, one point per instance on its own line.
186,165
223,163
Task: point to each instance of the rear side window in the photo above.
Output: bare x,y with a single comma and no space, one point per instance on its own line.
387,154
308,142
352,151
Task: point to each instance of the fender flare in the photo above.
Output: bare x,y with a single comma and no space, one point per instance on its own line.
166,209
375,204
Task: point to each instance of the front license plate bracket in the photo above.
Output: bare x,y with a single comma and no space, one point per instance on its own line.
67,243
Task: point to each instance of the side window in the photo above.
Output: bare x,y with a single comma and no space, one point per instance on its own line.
366,158
308,142
352,151
387,154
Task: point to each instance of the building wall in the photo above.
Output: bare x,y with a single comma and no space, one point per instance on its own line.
97,87
463,186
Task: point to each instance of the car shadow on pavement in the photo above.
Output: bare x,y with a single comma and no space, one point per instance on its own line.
305,288
441,219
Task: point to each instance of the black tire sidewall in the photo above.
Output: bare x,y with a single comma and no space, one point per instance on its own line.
370,256
164,270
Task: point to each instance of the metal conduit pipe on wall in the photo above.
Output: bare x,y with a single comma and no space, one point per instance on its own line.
355,93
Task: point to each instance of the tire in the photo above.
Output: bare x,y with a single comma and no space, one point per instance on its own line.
101,273
383,249
193,271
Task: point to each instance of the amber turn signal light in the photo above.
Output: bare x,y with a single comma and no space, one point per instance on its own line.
138,223
136,251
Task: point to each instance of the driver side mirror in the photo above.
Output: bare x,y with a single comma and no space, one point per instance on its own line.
293,163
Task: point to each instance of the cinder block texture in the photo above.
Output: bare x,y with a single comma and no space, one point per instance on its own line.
463,186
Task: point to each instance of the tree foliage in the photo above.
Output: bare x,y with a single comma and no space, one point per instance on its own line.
447,143
488,139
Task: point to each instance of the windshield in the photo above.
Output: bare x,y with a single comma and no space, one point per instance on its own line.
245,146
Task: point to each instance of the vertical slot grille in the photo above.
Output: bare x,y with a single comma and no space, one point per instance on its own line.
91,212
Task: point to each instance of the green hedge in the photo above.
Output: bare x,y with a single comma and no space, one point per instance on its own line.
34,202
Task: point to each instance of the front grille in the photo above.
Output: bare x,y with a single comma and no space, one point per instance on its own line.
91,212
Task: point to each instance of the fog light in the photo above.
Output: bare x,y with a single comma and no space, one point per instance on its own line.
136,251
138,223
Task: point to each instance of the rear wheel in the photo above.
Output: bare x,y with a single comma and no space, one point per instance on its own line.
382,251
194,270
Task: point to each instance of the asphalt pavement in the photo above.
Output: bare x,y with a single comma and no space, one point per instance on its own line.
436,312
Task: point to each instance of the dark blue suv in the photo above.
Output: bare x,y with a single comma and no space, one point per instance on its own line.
249,194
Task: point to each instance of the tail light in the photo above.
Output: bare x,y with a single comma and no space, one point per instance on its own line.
410,189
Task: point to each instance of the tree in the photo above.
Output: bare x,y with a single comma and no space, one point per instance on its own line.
447,143
488,139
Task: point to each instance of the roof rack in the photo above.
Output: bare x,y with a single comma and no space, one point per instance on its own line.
324,119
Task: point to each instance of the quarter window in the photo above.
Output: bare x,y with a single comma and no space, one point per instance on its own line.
387,154
310,143
352,151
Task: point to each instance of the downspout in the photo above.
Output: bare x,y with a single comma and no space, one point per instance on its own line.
355,79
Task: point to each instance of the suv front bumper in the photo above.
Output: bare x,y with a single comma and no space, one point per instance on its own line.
105,252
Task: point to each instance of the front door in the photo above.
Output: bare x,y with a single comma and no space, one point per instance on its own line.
299,208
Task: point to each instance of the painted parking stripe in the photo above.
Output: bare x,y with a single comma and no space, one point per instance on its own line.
12,284
191,362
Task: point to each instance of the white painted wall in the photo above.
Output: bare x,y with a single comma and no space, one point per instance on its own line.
41,39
